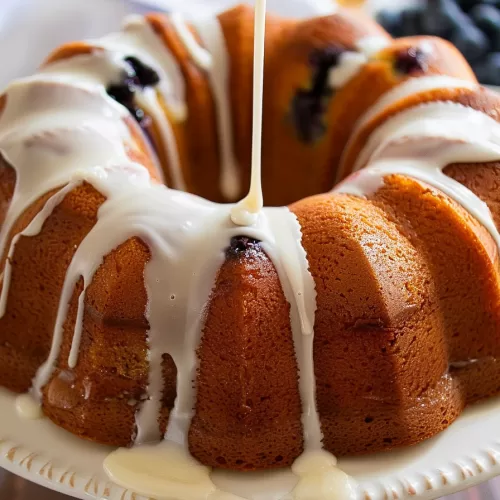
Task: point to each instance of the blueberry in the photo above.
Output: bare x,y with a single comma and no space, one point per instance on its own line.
487,18
488,69
240,244
308,106
322,61
122,92
146,75
412,21
307,111
470,41
441,17
411,60
466,5
494,3
390,20
325,57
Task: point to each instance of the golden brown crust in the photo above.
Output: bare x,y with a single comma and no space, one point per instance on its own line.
376,317
69,50
248,406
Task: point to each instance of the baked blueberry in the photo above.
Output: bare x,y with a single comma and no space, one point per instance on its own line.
146,75
122,92
410,61
307,112
241,244
321,61
308,106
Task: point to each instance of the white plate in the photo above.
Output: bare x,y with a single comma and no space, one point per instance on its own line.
466,454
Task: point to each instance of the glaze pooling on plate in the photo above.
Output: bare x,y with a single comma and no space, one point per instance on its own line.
464,455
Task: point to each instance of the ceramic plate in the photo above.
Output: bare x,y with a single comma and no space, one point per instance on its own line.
464,455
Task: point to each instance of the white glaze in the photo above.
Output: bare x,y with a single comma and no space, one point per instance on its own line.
28,407
163,471
420,142
320,478
49,130
349,65
139,40
200,56
148,101
351,62
247,210
371,45
212,36
410,87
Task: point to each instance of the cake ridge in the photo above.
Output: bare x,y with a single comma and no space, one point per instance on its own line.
449,122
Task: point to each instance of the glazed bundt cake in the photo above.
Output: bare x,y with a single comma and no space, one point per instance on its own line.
126,305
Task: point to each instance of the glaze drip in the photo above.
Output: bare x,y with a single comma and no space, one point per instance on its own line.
247,211
213,58
420,142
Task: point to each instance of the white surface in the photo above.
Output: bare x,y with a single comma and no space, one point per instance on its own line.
464,455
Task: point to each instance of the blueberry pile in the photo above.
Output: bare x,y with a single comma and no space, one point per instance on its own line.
473,26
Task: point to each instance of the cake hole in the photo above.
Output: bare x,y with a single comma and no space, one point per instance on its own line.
221,460
279,458
369,420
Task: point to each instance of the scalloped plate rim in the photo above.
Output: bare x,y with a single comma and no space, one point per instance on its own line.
473,467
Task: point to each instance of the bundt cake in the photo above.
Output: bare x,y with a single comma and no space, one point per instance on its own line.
126,305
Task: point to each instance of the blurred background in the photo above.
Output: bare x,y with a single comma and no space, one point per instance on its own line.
29,29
